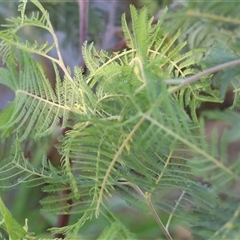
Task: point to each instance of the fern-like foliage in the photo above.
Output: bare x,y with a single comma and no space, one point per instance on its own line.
11,226
35,101
209,25
130,136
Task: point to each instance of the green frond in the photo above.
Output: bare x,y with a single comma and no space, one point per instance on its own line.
10,225
22,8
116,231
220,53
226,11
37,107
139,22
136,38
91,57
16,169
218,223
193,95
157,33
101,149
127,33
35,20
9,38
129,135
223,174
204,24
8,41
15,24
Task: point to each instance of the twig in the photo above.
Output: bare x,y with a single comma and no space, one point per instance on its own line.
148,201
228,226
212,17
83,26
110,30
63,219
122,44
196,77
174,209
173,5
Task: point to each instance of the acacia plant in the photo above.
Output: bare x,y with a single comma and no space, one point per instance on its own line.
127,130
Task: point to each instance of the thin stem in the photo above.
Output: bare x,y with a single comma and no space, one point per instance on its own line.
174,209
63,219
192,146
196,77
146,197
110,31
227,226
111,165
165,167
60,61
83,25
213,17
